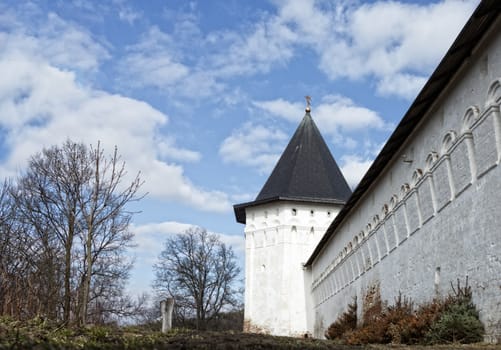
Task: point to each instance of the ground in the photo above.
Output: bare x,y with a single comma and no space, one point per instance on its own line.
37,334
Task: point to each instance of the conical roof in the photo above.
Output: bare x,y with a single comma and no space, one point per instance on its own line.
306,171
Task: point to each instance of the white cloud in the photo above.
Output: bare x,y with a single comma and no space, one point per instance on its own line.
255,146
337,113
153,62
268,43
354,168
127,13
42,105
393,42
401,84
157,61
334,114
168,149
282,108
310,23
390,41
54,40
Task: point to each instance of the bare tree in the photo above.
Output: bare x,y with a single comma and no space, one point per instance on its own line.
106,221
73,202
9,259
200,272
47,197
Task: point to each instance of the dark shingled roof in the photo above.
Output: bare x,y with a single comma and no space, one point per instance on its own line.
305,172
477,26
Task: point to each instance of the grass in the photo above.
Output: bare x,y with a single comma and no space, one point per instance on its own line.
40,335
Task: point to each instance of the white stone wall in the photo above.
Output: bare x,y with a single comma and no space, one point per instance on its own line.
427,223
279,238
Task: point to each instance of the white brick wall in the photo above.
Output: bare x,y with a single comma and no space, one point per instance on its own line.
444,209
279,238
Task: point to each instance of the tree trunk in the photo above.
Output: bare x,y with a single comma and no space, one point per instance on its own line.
87,278
67,285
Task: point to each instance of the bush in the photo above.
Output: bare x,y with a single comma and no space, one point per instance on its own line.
459,322
383,323
453,319
346,322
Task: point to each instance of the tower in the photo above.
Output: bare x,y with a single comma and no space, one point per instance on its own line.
303,194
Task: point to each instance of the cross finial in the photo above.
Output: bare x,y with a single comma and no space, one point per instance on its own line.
308,103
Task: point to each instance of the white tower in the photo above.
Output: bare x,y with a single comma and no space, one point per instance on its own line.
303,194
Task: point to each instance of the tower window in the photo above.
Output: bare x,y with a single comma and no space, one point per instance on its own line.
329,214
312,212
266,214
294,212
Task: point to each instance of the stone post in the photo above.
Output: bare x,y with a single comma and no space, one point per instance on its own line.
167,306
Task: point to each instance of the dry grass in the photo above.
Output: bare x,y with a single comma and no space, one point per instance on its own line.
39,335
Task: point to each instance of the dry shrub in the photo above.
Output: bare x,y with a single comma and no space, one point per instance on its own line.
382,323
453,319
346,322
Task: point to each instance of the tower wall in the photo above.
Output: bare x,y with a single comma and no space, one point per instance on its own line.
279,238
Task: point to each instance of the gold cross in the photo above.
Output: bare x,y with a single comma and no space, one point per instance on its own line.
308,101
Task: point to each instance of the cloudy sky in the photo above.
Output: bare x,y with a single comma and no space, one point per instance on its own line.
202,96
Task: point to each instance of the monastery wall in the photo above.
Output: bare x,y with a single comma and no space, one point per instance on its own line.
433,216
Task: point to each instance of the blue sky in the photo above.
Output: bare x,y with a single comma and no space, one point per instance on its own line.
203,96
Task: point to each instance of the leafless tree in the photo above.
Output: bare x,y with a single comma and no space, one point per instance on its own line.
72,201
103,208
200,272
47,197
8,253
